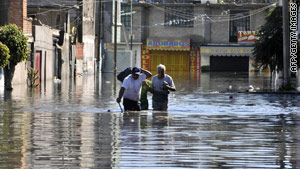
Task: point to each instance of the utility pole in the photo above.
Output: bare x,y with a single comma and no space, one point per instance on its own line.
131,26
115,43
286,42
99,37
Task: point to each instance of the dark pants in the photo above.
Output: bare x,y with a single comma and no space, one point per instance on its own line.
144,104
131,105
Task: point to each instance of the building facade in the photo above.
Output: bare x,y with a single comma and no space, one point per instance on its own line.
192,36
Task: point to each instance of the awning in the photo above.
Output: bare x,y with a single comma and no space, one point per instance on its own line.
168,45
225,51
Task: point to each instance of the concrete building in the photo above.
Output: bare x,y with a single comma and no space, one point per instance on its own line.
41,21
51,51
190,36
125,56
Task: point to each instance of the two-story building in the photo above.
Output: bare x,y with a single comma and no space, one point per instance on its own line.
190,36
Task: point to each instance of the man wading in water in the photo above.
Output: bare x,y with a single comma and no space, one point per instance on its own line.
131,88
161,84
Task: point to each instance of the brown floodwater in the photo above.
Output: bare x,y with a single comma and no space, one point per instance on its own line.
211,123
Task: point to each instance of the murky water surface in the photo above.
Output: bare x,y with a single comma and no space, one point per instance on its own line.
79,125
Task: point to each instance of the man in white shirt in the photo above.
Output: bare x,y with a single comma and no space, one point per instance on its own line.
131,89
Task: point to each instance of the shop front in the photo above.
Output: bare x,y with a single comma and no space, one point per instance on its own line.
174,54
229,58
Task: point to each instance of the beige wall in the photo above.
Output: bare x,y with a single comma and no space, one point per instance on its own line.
20,75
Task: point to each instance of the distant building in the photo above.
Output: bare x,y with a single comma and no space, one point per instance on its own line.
51,48
189,36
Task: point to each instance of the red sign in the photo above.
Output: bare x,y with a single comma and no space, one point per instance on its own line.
247,36
145,58
195,60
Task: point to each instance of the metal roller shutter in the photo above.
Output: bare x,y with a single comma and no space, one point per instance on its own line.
230,64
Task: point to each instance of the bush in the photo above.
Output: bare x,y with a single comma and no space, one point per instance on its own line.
12,36
4,55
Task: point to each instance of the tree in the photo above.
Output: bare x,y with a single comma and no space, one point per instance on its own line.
13,37
4,55
269,49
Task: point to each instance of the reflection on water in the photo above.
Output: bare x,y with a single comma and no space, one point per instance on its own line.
68,126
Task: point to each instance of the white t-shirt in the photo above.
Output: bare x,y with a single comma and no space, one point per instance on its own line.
133,87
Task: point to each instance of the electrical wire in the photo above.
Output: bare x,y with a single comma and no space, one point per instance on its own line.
253,12
169,11
212,15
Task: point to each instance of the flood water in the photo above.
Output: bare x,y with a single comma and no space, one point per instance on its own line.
78,124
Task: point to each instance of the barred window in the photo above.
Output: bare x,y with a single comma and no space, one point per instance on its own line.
126,18
179,16
239,21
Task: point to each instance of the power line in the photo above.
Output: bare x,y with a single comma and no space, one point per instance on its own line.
252,12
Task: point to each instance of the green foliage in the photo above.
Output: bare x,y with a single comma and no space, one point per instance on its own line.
269,48
13,37
288,86
4,55
32,77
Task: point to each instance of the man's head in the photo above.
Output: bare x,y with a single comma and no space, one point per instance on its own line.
161,69
135,72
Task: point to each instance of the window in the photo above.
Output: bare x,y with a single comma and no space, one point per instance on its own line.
126,18
239,21
179,16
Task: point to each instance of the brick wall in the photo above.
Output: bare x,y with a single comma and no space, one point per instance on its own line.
18,15
27,25
15,14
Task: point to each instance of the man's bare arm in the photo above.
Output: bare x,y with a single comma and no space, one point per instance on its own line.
121,92
149,88
172,88
146,72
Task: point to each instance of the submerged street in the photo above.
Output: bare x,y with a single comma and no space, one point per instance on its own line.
211,123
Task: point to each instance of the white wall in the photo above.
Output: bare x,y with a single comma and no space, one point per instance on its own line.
205,60
43,42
